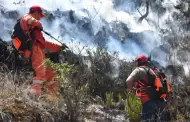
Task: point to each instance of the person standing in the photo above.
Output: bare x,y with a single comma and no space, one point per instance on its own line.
140,82
31,27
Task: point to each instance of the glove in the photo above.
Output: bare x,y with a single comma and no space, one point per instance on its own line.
63,47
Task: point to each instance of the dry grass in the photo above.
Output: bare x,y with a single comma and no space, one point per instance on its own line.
17,104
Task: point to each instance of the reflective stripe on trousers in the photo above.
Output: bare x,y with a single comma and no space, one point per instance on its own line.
43,73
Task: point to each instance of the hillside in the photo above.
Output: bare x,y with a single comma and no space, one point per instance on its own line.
103,39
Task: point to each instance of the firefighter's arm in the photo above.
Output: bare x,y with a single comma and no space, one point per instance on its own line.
34,23
52,46
47,44
38,36
131,80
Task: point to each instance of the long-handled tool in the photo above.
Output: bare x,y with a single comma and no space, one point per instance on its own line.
55,39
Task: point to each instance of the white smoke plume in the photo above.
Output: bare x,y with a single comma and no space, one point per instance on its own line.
100,13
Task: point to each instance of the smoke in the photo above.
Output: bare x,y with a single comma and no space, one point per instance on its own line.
100,13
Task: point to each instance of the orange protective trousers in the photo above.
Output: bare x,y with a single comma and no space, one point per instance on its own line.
43,72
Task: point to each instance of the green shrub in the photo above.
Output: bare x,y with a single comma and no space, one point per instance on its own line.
72,93
133,107
120,98
109,100
101,67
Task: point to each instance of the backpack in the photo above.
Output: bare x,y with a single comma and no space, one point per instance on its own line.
20,40
158,85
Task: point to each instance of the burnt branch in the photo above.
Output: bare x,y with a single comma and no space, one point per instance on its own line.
146,14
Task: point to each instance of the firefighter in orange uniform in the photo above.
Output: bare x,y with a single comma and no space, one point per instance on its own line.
29,23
